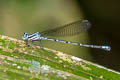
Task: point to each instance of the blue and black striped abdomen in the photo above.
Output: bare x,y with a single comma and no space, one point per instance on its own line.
107,48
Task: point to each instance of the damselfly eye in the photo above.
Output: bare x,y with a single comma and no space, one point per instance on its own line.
25,36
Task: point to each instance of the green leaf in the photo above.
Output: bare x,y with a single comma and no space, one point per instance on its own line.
21,62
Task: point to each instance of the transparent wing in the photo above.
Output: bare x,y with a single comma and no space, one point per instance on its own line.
69,29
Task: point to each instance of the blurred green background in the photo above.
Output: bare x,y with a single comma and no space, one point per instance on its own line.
19,16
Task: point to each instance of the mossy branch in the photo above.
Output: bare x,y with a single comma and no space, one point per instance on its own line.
20,62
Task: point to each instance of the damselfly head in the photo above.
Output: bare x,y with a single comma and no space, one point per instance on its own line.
25,36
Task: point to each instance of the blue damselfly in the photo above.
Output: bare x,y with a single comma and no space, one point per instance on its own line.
66,30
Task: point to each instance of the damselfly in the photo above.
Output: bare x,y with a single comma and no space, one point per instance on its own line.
66,30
